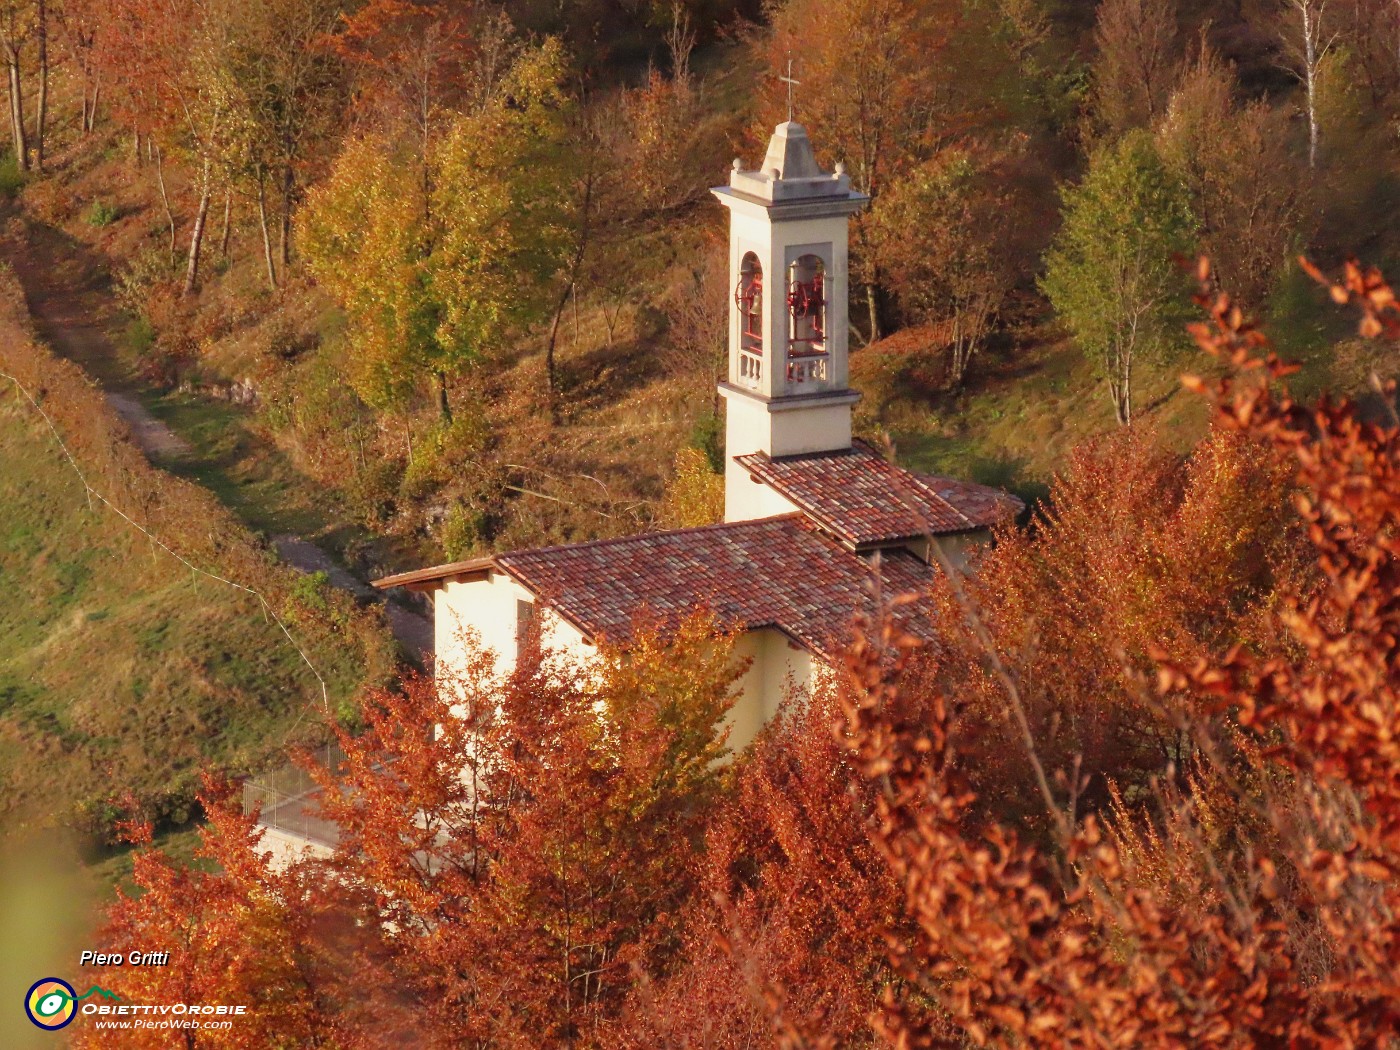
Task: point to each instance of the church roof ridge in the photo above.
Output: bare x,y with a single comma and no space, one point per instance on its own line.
498,561
635,536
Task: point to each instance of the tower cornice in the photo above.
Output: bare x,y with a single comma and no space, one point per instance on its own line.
800,208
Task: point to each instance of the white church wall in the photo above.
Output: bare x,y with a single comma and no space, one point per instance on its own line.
491,607
777,664
285,848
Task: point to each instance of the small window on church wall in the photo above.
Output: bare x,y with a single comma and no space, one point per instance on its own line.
748,297
806,300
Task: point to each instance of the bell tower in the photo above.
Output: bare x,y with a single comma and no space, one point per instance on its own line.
787,390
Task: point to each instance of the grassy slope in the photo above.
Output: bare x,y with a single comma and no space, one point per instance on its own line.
231,456
120,669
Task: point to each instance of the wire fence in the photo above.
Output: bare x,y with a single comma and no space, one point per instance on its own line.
287,799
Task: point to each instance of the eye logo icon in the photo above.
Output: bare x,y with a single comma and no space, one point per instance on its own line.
51,1003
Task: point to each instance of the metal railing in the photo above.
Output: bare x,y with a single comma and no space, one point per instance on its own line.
286,799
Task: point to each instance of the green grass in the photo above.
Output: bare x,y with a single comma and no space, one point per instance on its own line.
120,669
257,481
1024,410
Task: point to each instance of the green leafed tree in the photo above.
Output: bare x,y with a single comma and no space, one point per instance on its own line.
437,263
1112,273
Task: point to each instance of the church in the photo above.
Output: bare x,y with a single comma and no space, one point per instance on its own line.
816,524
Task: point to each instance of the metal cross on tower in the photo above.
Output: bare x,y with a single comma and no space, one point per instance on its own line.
790,84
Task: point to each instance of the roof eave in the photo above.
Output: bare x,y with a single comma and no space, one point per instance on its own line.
437,575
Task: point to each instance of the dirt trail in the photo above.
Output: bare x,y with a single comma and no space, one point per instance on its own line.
74,309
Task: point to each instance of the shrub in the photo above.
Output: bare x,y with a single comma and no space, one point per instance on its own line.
138,279
461,532
139,336
707,436
100,214
11,178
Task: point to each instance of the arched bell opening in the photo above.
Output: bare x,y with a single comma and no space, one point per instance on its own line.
806,302
748,300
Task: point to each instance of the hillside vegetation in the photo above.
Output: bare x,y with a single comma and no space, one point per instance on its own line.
123,671
313,270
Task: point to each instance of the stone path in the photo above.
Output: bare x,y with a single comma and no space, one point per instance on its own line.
152,436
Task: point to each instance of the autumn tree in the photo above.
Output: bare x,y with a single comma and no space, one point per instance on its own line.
1286,936
1305,30
1243,182
170,61
414,64
866,95
538,845
1137,62
886,85
286,83
1371,29
237,933
1160,554
76,22
16,26
665,135
432,283
1111,274
954,248
788,877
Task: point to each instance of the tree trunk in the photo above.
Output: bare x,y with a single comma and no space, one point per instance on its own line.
92,109
262,222
960,354
164,196
42,105
288,187
580,250
17,109
197,235
551,379
872,304
1128,389
228,213
136,148
1311,49
1310,62
1120,389
444,406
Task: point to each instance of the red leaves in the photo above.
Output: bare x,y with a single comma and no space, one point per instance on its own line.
1380,314
874,862
1277,923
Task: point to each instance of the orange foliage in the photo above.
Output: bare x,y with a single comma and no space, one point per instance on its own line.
565,862
1139,551
1290,940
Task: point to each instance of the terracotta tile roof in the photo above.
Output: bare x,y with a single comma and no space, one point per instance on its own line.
858,496
773,572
